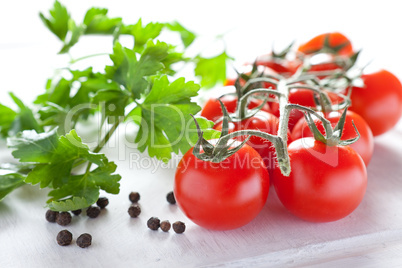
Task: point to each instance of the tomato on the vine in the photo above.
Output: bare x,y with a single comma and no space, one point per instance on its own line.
265,122
326,183
225,195
212,109
364,146
335,40
379,102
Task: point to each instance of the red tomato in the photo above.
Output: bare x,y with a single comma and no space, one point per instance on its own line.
264,122
379,102
364,146
325,184
222,196
212,109
335,39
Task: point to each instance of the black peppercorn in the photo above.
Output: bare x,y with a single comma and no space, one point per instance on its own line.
76,212
93,212
64,238
102,202
63,218
153,223
179,227
165,226
134,211
84,240
134,197
170,198
51,215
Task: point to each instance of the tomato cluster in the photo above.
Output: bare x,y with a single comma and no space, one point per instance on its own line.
328,177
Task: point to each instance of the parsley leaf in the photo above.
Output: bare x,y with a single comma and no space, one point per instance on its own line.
83,190
165,116
211,70
130,72
54,157
187,36
115,101
142,34
172,58
59,101
57,23
7,116
98,23
24,119
9,182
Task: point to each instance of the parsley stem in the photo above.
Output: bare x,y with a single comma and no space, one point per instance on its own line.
108,135
72,61
105,140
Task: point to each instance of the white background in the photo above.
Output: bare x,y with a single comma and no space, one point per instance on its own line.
371,236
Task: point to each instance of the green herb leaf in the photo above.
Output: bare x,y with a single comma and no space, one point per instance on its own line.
165,117
23,120
7,116
142,34
57,23
83,190
211,70
98,23
172,58
9,182
187,36
58,101
54,157
130,72
115,101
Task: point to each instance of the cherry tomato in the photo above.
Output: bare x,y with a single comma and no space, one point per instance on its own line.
325,184
364,146
379,102
212,109
335,39
264,122
222,196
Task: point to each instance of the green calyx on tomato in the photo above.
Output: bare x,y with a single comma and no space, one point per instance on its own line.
332,135
224,148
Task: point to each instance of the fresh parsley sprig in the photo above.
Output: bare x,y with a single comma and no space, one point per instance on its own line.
137,86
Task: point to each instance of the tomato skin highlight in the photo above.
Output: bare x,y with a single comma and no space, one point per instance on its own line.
364,146
326,183
222,196
212,109
379,102
335,39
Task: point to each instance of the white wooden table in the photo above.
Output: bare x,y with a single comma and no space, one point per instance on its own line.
370,237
